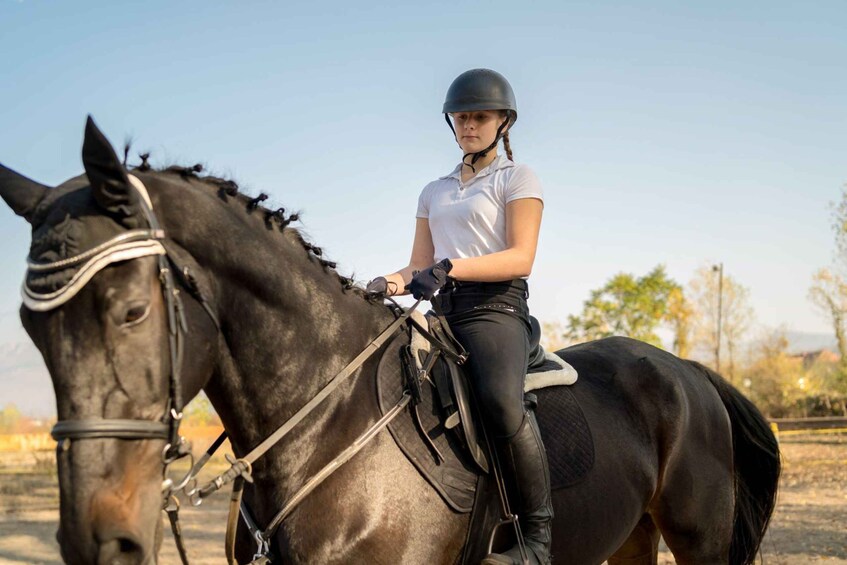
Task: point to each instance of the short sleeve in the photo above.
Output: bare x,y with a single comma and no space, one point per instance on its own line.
423,203
523,183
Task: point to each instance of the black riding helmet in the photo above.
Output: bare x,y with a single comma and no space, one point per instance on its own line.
481,89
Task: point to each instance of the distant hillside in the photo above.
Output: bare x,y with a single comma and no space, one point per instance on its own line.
799,342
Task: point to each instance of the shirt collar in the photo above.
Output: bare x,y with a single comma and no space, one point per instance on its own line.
501,162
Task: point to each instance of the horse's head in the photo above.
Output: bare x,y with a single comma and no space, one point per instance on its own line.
98,304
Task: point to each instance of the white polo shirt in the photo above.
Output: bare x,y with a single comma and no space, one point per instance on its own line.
469,220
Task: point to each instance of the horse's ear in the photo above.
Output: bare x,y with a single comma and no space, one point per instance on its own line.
20,193
108,177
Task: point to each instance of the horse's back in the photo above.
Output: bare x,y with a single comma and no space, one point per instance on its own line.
651,392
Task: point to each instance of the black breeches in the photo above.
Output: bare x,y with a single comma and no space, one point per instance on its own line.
491,320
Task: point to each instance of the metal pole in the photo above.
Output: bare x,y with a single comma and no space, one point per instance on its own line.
719,269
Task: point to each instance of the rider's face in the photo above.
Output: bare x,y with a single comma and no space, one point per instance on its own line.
476,130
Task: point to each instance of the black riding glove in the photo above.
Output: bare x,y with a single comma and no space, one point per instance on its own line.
377,288
429,281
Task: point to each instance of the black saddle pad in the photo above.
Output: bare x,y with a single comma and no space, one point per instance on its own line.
567,438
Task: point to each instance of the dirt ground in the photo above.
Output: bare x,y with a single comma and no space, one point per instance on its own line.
809,526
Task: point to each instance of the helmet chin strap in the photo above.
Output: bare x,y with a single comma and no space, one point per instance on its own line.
479,154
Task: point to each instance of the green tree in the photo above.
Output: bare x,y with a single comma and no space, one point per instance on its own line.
625,306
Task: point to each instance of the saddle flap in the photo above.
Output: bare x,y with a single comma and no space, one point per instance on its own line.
420,434
447,372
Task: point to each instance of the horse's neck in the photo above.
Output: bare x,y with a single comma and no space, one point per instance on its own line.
287,326
276,357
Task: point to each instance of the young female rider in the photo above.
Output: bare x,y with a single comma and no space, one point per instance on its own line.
479,225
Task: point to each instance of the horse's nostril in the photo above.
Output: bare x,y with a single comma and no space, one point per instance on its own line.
120,551
128,546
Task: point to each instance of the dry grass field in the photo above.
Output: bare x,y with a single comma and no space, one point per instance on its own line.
810,524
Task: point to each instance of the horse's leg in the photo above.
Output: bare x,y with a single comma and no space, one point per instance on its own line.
641,547
694,507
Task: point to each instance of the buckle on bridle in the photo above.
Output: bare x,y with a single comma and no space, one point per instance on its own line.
171,453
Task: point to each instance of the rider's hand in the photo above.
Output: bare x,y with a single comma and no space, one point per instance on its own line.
377,288
429,281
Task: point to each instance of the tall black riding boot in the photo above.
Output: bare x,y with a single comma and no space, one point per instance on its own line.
523,456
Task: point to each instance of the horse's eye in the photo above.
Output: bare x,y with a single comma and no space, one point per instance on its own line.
136,314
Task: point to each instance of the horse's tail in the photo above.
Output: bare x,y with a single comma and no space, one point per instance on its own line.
757,466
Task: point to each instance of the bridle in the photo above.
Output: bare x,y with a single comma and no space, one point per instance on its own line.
133,244
129,245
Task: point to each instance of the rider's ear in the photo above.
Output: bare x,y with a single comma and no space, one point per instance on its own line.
108,177
20,193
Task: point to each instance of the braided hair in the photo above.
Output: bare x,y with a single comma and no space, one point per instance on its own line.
507,146
506,143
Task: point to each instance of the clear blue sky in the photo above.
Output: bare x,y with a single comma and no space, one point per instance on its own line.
668,132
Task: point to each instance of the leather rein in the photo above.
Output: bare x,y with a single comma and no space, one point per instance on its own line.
138,243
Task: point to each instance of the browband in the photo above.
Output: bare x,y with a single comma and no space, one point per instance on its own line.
123,247
113,251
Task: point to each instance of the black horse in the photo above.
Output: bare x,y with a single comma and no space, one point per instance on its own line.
679,452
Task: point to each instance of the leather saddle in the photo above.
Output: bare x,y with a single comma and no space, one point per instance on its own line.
444,437
452,387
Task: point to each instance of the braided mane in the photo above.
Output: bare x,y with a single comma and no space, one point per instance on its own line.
228,188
